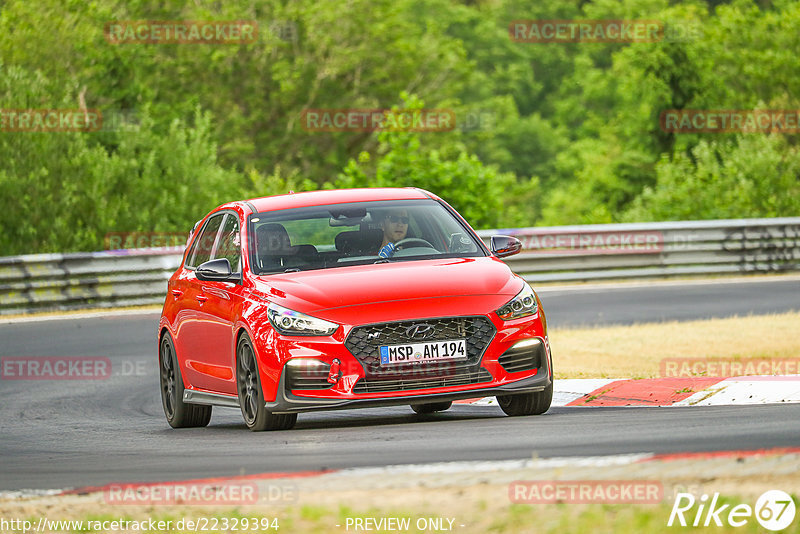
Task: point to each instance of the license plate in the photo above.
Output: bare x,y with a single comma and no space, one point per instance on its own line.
433,351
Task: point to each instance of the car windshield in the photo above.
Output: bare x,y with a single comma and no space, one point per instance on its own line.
325,237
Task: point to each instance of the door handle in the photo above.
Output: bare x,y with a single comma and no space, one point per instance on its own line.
201,298
177,293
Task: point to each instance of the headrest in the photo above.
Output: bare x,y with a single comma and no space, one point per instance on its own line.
359,242
273,239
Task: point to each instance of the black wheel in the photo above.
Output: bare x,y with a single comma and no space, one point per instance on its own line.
251,396
527,403
431,407
179,414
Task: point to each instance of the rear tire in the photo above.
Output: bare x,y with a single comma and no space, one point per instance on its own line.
179,414
431,407
251,395
527,403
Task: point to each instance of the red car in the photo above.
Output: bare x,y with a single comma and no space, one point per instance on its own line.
345,299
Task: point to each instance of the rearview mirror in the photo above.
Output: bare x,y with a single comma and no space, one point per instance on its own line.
504,245
218,270
347,217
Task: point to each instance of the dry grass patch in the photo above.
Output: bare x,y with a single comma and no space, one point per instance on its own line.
636,351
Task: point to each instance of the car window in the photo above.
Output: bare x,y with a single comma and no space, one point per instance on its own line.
324,237
203,245
229,243
312,231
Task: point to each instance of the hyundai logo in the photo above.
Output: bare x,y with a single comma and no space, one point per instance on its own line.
421,331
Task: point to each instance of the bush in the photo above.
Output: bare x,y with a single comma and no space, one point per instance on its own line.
748,176
64,191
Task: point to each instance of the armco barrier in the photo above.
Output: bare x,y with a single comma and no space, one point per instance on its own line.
645,250
84,280
549,254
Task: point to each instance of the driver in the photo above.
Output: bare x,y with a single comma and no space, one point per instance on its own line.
395,228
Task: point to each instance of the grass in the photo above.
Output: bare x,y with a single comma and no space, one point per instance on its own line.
636,351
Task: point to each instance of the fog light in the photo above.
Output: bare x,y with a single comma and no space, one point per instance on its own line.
525,355
526,344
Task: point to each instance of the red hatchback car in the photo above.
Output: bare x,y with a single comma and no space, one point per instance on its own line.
345,299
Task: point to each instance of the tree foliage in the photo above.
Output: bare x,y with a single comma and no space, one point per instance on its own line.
549,133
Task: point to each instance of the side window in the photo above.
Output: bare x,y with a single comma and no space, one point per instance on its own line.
204,243
228,246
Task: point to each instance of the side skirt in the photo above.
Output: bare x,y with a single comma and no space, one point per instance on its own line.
212,399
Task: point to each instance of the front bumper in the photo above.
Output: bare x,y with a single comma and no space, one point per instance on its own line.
286,402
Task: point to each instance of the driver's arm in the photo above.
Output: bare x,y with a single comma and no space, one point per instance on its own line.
387,251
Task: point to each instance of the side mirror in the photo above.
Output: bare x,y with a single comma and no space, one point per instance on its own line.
503,246
218,270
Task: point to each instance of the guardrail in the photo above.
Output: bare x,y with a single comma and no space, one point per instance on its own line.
647,250
550,254
84,280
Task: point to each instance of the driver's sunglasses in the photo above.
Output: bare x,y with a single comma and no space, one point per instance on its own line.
397,219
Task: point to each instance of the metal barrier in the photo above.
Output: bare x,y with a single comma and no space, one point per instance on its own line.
646,250
550,254
84,280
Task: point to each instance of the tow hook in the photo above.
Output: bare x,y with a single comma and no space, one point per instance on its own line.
335,373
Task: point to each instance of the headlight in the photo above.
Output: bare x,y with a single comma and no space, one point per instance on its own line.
294,323
522,305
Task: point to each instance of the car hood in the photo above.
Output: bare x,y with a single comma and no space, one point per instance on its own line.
385,284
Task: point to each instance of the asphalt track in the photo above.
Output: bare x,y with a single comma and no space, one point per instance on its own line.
58,434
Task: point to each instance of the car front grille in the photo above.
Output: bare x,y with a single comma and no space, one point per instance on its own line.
404,384
364,343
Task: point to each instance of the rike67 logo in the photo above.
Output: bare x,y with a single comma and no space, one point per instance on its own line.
774,510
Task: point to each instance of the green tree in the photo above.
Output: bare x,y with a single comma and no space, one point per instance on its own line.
482,194
63,191
749,175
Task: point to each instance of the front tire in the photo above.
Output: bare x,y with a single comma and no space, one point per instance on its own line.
431,407
251,395
179,414
527,403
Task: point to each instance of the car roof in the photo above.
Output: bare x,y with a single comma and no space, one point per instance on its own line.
335,196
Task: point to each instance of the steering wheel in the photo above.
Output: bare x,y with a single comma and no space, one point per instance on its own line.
416,240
